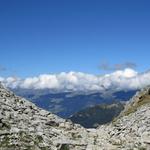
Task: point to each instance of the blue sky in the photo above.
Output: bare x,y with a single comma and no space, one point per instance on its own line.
51,36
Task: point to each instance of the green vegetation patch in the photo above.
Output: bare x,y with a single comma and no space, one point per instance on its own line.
64,147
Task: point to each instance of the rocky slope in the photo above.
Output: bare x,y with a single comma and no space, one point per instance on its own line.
131,130
23,126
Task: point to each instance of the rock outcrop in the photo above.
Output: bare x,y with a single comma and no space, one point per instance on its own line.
23,126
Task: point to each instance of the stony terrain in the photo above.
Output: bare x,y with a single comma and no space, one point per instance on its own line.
23,126
131,130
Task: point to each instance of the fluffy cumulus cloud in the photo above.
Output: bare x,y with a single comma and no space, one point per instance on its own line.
78,81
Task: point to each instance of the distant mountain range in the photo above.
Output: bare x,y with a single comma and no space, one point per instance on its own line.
66,104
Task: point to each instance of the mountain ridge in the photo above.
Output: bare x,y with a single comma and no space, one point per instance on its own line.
93,116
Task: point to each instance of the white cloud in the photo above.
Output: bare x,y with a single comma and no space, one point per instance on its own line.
78,81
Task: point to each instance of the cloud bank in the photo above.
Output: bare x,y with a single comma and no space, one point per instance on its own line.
78,81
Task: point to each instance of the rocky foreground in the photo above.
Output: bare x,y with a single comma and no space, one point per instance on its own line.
23,126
